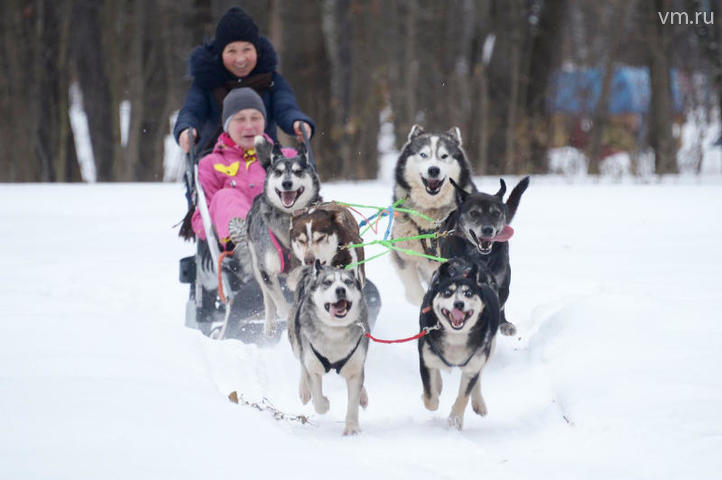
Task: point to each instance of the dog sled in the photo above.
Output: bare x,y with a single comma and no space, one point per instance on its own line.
224,299
225,304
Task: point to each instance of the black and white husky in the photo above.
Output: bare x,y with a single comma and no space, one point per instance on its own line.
463,316
326,329
481,235
291,184
424,169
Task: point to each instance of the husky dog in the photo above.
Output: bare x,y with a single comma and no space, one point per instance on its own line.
424,169
291,184
320,232
463,316
326,330
481,234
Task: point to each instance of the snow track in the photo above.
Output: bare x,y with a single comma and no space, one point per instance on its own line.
615,293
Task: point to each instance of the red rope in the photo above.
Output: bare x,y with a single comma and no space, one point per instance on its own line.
401,340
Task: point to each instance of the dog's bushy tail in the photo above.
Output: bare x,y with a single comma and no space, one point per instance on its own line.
512,203
186,228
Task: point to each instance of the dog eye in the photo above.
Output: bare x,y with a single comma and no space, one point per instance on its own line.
327,283
348,282
278,173
423,155
474,213
496,213
298,173
321,238
445,156
447,293
468,294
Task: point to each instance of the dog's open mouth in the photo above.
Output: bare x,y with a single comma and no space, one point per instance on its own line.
484,244
457,317
432,185
338,309
289,197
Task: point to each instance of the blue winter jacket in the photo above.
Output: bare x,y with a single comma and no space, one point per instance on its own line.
201,110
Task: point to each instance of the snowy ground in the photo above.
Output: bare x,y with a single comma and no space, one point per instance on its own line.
615,292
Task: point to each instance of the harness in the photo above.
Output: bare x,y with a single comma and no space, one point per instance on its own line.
433,241
432,247
283,253
328,366
446,362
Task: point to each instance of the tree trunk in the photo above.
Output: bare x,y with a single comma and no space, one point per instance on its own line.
91,64
662,111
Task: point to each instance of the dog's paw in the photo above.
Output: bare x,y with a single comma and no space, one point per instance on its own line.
508,329
456,421
479,407
431,403
351,429
321,405
364,399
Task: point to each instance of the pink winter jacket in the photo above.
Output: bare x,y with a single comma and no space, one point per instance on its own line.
231,178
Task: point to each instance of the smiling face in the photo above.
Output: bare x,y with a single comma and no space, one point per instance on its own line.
290,183
240,58
245,125
335,293
428,162
482,220
458,306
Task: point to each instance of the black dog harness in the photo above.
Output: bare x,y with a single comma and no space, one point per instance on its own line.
433,247
328,366
446,362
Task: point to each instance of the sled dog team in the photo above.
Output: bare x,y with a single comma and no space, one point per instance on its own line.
461,301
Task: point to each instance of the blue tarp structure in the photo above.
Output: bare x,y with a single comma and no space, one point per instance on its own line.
577,92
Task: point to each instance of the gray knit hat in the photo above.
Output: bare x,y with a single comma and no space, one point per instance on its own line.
239,99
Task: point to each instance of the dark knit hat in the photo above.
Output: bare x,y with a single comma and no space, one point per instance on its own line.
239,99
235,26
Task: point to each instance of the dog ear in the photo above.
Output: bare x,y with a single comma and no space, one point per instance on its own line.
317,267
472,272
502,189
416,130
277,152
514,197
301,149
461,194
263,150
455,133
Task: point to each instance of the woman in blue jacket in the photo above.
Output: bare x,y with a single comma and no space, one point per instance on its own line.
237,57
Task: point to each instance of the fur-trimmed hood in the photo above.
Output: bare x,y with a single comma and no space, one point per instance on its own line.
206,67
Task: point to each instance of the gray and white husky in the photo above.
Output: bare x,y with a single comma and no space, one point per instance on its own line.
426,164
291,184
327,332
464,317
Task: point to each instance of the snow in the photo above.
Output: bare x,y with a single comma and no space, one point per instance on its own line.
615,294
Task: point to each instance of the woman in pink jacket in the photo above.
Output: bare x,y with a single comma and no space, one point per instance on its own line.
231,175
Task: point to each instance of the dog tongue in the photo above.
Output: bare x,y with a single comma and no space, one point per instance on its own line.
338,307
288,197
457,315
504,235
